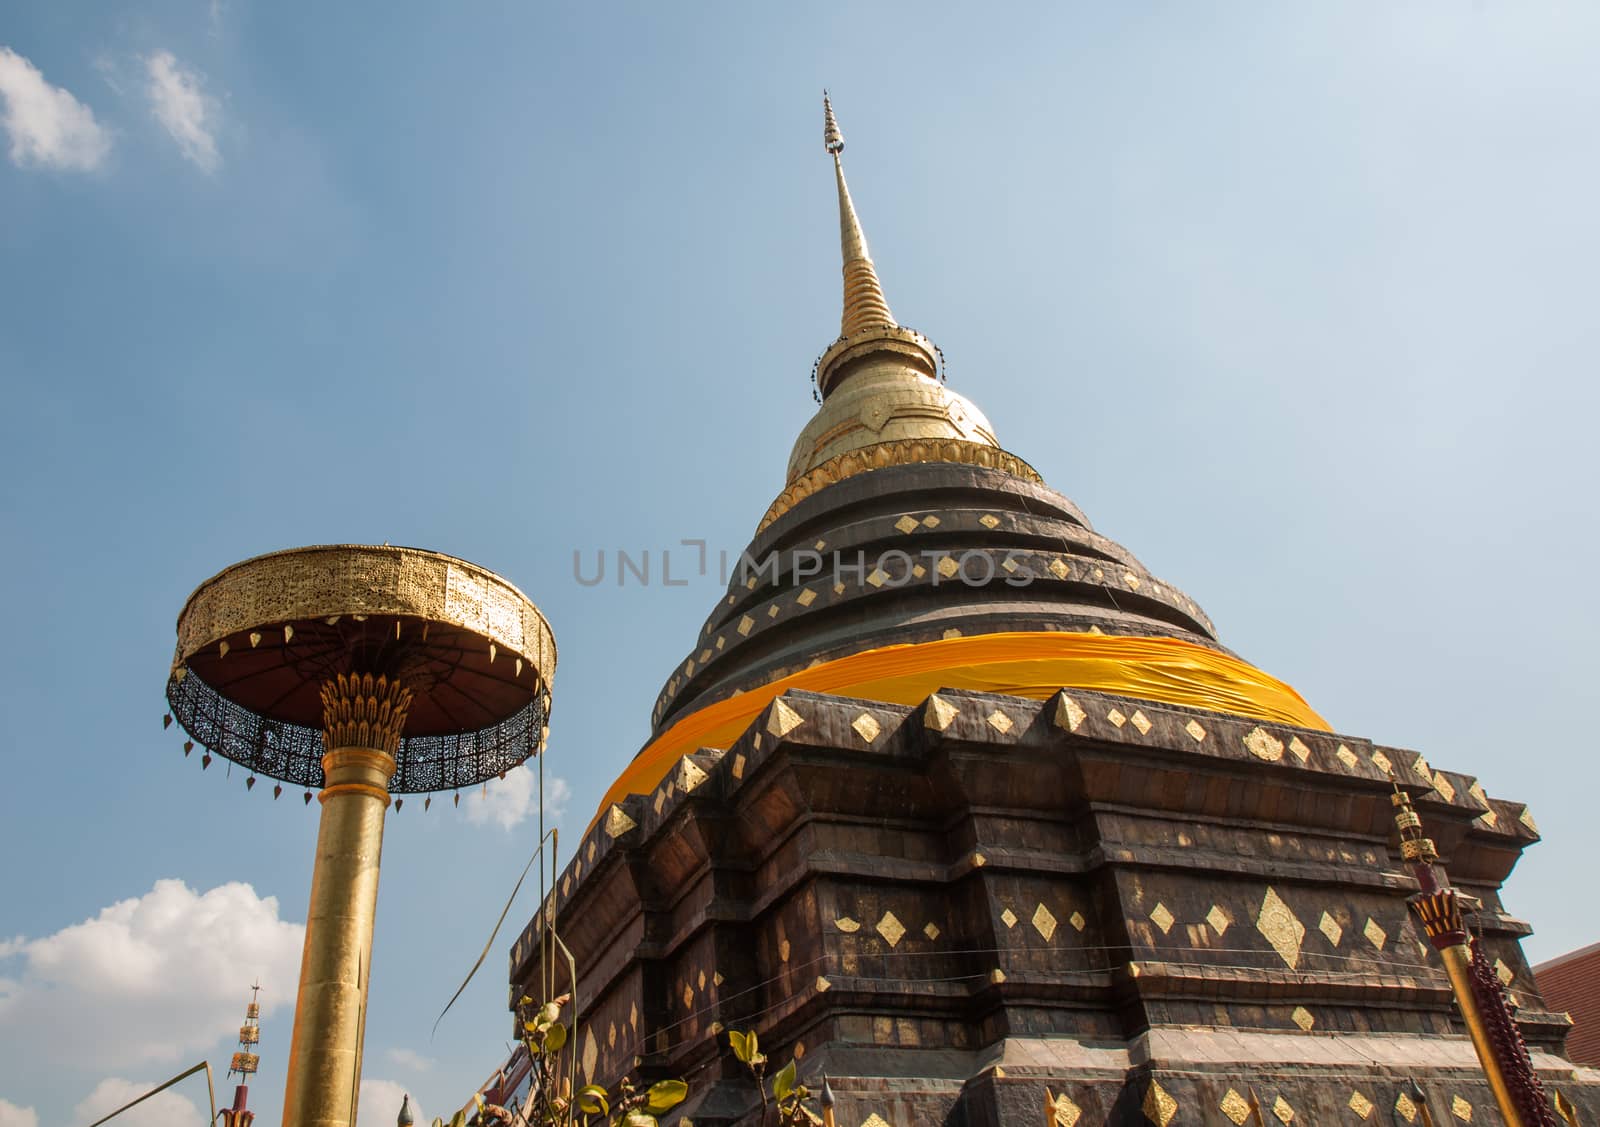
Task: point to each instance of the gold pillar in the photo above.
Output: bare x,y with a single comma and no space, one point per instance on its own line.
362,720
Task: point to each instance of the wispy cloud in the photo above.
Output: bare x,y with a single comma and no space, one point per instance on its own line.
380,1104
166,1109
179,100
48,127
13,1116
515,798
410,1060
173,964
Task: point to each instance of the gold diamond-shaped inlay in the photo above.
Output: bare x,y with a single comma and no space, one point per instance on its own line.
1044,922
1300,750
783,719
1059,569
822,984
591,1054
1375,934
633,1015
1263,746
618,822
783,956
1330,927
1063,1112
930,521
1000,722
1141,722
1159,1106
1302,1017
907,523
1010,565
1068,714
806,598
716,978
738,764
1077,921
1116,717
846,924
878,577
1347,757
891,929
689,775
1461,1109
1382,762
1235,1107
1162,918
1442,785
1476,791
866,727
1281,1108
931,930
746,624
1526,819
1218,919
1196,732
688,996
874,1120
1407,1109
940,713
947,566
1131,580
1281,927
611,1036
1360,1104
1503,972
989,520
1009,918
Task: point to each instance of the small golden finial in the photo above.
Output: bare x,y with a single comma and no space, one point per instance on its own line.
865,307
832,139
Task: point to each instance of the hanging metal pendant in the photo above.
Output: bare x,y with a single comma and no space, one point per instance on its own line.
205,761
277,789
250,783
188,746
166,722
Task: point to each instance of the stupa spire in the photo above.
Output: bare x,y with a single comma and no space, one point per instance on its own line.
865,307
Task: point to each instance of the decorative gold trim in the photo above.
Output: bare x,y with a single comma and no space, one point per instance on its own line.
363,711
899,453
332,580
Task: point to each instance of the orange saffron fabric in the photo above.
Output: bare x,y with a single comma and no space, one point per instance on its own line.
1165,670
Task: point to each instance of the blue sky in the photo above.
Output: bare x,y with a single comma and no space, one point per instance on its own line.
1295,300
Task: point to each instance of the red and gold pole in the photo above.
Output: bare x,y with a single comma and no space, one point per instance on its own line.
1437,906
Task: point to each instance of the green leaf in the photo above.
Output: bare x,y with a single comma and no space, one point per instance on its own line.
555,1037
592,1100
664,1095
783,1083
744,1045
459,1120
549,1012
640,1119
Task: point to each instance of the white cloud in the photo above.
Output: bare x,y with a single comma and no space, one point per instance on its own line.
164,1109
379,1104
185,110
170,969
508,802
408,1059
13,1116
48,127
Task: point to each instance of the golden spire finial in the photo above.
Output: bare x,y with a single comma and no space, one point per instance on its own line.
865,307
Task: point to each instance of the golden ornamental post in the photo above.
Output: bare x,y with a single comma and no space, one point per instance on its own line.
363,717
363,673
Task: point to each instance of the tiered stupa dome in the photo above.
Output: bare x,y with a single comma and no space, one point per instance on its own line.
910,552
